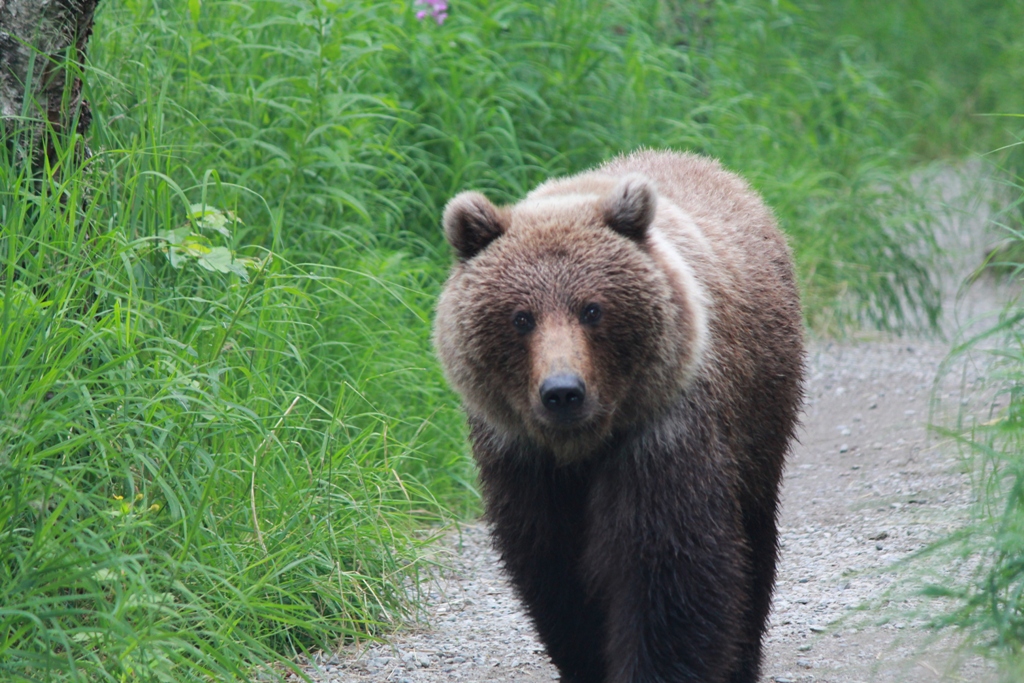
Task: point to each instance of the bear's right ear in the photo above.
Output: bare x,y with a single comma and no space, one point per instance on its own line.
471,222
629,208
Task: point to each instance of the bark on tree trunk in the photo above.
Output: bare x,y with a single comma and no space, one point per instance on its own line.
42,48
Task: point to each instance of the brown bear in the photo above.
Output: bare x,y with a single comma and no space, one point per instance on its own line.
628,345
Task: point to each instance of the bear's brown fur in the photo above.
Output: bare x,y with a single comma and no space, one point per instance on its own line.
628,346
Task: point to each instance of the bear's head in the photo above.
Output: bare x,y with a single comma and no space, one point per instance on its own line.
568,316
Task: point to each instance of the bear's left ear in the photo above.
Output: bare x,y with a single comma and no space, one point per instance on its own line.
471,222
629,208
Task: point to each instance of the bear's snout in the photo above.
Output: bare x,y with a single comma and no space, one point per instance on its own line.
563,396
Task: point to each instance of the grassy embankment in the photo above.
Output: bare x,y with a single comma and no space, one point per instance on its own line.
221,427
960,66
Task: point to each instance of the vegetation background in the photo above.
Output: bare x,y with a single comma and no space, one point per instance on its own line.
223,437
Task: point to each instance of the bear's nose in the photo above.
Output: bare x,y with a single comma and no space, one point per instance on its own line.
563,394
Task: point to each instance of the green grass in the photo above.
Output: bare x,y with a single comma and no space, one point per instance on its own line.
198,471
974,576
958,64
353,115
222,430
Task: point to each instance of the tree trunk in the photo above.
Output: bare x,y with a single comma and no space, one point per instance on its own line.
42,48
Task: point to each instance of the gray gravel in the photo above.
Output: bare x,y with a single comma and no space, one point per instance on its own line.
865,488
867,485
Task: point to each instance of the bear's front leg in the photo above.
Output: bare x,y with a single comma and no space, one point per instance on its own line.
568,620
674,621
537,511
668,558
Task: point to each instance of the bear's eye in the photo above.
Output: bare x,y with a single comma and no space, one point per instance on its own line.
591,314
523,322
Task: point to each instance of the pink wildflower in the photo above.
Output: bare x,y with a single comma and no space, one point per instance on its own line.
438,10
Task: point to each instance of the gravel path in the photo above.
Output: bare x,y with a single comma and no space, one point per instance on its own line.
866,486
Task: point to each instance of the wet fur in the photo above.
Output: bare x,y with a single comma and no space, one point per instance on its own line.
644,544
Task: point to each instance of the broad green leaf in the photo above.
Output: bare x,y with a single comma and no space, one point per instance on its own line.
209,218
175,236
238,269
217,259
197,245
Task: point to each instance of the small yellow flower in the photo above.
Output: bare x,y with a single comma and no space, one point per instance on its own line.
138,497
118,497
155,507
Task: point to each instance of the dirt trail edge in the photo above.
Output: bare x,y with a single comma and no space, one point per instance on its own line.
866,486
